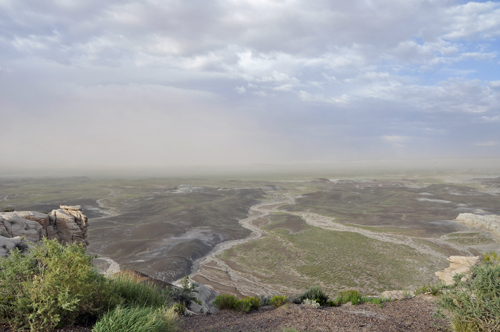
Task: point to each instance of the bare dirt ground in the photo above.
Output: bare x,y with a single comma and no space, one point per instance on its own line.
406,315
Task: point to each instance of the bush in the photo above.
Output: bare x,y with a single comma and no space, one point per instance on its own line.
137,319
278,300
51,286
225,301
349,296
254,301
265,300
311,303
474,304
332,303
243,305
315,293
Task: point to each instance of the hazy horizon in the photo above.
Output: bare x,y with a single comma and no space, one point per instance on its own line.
142,85
473,167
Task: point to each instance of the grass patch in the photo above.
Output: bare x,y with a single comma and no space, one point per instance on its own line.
334,260
137,319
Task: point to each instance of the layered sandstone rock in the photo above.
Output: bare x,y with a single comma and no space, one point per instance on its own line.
67,224
487,222
458,264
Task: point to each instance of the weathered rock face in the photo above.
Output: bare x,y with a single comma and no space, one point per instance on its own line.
7,244
206,296
487,222
67,224
458,264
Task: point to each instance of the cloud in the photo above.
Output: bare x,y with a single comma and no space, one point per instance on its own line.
243,81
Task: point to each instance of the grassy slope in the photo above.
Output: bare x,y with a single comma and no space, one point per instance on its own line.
335,260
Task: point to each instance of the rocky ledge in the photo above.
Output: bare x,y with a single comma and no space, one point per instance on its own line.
487,222
67,225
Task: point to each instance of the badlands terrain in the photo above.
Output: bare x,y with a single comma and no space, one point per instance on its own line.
277,234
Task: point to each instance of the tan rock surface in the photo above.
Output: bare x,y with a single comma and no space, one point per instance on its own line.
458,264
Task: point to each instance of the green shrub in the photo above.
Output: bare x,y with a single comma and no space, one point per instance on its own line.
333,303
51,286
434,289
185,294
491,257
254,301
225,301
315,293
278,300
137,319
243,305
349,296
474,304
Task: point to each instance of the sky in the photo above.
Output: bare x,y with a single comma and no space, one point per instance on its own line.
160,83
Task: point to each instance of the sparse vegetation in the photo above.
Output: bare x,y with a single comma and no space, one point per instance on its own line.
433,289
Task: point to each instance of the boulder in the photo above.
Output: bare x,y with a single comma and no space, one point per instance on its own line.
206,295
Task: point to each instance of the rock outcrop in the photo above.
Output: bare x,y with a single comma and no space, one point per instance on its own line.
7,244
487,222
458,264
67,224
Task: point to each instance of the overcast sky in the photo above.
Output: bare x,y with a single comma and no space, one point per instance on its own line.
120,83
